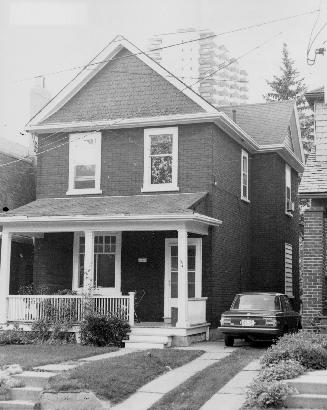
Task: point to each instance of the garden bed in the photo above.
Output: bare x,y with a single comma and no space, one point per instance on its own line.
117,378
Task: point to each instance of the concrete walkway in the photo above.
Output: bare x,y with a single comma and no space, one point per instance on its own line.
150,393
232,395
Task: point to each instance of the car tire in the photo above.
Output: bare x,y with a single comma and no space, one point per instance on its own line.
229,341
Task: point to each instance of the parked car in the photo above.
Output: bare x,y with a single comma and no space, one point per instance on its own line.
259,316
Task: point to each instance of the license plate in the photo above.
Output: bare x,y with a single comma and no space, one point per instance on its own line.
247,322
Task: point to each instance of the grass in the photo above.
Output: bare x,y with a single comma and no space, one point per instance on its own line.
192,394
117,378
29,356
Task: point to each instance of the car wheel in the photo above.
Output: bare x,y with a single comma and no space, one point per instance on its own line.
229,341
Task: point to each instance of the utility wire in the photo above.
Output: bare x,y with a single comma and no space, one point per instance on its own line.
243,28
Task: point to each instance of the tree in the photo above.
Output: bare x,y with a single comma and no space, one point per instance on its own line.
289,86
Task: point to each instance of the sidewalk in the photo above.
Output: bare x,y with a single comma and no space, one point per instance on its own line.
232,395
149,394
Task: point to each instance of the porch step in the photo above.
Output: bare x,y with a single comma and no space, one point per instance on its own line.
35,379
306,401
151,331
17,405
138,338
25,393
305,386
144,345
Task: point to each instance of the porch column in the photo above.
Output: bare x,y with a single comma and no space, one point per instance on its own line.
5,274
182,279
89,262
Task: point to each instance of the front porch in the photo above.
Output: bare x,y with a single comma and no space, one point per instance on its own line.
114,262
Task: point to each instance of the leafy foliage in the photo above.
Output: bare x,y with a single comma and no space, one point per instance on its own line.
285,369
267,394
289,86
102,330
16,336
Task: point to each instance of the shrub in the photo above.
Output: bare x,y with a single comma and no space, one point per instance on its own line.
285,369
309,355
304,336
17,337
267,394
103,330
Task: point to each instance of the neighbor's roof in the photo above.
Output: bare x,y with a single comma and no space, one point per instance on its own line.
313,95
267,123
314,179
164,204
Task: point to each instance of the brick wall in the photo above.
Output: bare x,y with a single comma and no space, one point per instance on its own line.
17,182
313,264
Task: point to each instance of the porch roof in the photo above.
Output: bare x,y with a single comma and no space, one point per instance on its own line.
160,204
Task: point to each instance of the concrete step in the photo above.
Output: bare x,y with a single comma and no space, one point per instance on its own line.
144,345
150,339
17,405
35,379
309,386
306,401
25,393
152,331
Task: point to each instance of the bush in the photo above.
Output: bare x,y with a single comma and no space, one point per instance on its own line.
267,394
103,330
285,369
17,337
304,336
309,355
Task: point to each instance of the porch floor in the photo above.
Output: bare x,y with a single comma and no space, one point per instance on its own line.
153,324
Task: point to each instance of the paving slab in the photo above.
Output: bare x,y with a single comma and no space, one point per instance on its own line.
117,353
239,383
59,367
224,401
254,365
139,401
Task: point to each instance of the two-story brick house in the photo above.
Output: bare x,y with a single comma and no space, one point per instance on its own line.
144,186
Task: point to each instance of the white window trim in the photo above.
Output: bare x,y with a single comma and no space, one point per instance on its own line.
98,291
198,270
147,186
245,155
289,248
71,190
288,175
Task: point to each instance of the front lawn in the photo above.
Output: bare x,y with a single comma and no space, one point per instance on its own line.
117,378
29,356
194,392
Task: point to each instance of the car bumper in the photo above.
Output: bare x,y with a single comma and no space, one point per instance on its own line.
243,331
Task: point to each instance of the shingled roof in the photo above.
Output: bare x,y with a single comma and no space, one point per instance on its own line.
314,179
163,204
267,123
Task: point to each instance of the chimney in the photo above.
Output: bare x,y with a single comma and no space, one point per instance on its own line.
39,95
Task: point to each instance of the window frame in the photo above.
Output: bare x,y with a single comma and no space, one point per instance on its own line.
244,154
288,184
288,249
108,291
147,186
72,162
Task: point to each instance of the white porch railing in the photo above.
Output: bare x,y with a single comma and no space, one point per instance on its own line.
28,308
197,310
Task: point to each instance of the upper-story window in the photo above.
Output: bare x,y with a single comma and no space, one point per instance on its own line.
288,191
84,163
245,176
160,159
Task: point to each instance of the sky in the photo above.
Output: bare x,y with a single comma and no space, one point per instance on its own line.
38,37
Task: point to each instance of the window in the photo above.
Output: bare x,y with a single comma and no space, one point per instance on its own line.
288,198
288,269
107,249
160,159
84,163
245,176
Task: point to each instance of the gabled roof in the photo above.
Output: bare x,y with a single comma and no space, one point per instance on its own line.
121,82
267,123
314,179
108,206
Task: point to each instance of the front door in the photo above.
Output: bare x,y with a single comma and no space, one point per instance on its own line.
194,264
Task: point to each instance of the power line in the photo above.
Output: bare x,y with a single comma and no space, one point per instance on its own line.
91,63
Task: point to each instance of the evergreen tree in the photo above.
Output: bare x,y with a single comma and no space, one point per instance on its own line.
289,86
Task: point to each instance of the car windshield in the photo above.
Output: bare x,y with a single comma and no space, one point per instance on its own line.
256,302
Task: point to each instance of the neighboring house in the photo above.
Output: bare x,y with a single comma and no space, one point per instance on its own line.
144,186
314,188
17,187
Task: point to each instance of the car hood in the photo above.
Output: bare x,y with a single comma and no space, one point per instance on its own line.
251,312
